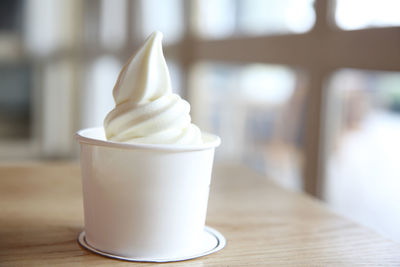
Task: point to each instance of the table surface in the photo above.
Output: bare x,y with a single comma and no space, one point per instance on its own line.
41,216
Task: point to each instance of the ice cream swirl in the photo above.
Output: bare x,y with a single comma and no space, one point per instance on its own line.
146,110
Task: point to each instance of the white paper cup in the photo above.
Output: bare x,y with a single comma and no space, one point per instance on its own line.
144,200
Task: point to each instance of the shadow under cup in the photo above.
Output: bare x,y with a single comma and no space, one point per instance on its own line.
144,200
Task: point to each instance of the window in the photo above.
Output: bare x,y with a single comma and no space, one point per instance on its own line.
220,19
359,14
112,23
165,16
15,106
363,129
97,99
257,110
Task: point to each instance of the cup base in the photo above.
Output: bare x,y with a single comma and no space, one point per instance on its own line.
213,241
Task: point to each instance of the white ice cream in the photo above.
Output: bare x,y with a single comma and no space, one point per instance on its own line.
146,110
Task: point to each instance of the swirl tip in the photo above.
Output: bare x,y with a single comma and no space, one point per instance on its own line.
156,35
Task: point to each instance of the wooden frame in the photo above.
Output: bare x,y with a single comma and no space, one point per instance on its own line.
320,52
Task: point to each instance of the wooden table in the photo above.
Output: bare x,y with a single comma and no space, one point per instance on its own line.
41,216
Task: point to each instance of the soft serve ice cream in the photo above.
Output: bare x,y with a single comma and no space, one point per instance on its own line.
147,202
146,110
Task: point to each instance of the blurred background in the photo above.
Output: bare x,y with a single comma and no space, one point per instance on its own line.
306,92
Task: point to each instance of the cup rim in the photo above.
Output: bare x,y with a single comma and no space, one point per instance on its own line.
83,137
